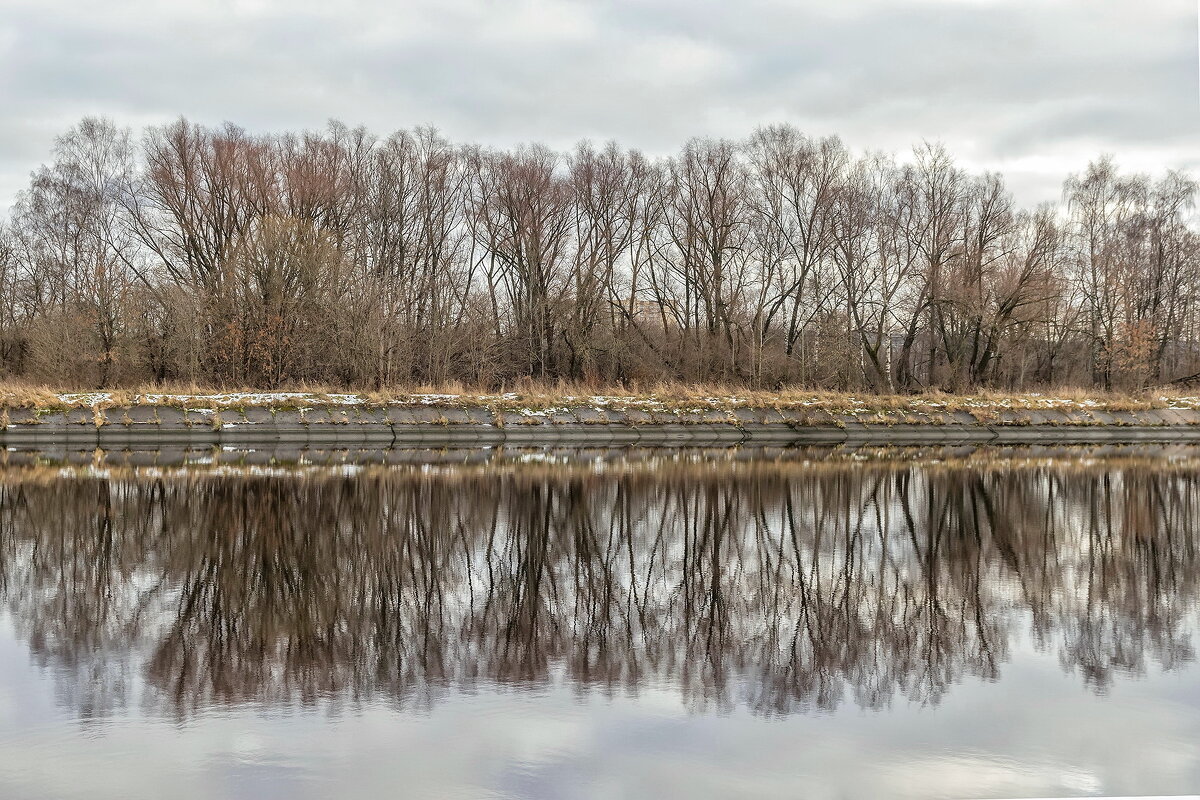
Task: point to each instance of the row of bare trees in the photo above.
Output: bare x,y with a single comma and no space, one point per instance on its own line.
217,256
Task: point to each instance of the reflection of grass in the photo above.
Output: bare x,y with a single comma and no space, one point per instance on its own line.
537,464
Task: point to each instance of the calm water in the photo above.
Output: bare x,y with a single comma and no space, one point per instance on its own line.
556,626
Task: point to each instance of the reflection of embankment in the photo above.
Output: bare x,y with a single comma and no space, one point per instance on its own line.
784,587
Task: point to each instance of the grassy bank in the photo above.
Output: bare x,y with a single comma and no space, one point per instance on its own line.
666,397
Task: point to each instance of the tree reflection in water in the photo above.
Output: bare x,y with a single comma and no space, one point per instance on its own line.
786,586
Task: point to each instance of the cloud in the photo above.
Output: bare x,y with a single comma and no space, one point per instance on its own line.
1002,82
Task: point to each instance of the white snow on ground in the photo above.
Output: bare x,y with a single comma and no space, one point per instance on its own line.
430,399
247,398
540,412
85,398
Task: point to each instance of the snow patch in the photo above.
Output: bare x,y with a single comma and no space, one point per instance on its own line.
85,398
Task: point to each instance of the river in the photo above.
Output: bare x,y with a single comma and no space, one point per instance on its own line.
594,624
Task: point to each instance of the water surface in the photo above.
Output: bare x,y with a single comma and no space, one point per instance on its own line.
623,624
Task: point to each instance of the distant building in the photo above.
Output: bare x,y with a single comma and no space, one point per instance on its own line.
652,312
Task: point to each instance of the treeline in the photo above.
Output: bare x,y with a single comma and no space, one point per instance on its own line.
215,256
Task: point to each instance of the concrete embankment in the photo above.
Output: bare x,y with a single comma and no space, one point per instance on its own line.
432,425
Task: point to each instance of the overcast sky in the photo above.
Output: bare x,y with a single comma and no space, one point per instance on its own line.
1034,88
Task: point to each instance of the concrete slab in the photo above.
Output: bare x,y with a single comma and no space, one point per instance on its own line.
258,415
171,416
588,415
399,415
81,416
141,415
743,415
290,418
22,416
455,416
379,428
199,417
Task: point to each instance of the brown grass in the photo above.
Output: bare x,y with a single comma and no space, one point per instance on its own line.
675,396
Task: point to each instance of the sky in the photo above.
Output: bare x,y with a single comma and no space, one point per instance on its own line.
1032,88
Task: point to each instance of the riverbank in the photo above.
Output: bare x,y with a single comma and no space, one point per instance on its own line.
112,420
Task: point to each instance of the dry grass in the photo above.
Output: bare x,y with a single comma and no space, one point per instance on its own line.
530,395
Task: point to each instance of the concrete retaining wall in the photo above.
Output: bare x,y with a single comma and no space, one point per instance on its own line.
149,426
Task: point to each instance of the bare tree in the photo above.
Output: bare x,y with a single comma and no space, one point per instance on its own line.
211,254
703,265
797,183
76,247
521,212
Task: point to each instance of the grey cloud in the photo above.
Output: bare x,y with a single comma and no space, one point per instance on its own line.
998,81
